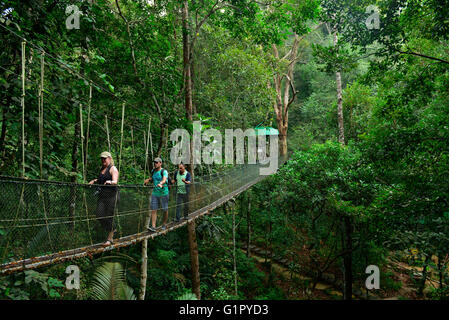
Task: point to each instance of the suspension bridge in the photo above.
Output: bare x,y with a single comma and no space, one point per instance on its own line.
44,222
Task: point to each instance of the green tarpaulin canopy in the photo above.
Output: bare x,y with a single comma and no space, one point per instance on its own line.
268,131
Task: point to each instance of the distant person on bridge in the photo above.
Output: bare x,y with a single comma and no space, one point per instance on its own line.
159,196
182,182
107,195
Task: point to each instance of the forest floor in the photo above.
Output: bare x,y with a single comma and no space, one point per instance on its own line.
296,286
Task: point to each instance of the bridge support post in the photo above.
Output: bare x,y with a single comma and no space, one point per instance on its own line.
144,264
143,270
194,261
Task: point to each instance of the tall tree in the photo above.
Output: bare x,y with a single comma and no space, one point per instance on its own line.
283,84
341,128
296,16
202,12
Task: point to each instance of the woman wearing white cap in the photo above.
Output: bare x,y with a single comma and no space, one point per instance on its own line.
107,197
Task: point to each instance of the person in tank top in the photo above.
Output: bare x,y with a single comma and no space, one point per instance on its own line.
107,195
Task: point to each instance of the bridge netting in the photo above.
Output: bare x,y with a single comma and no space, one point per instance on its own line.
42,217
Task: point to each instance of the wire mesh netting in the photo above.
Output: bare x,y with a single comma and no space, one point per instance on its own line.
44,217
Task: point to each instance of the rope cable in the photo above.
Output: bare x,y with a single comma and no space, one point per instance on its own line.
216,190
94,218
88,126
147,142
82,143
41,115
121,137
107,132
23,108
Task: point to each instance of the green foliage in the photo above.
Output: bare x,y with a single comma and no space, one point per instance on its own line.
31,285
187,296
317,189
388,283
235,81
221,294
109,283
388,184
46,283
439,293
12,290
272,294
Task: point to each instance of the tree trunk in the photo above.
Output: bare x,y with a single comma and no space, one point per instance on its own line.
190,167
194,261
282,137
422,285
188,100
341,130
74,170
347,258
270,245
162,140
283,84
440,271
76,137
143,269
192,80
234,252
144,264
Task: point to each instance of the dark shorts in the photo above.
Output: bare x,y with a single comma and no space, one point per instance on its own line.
159,202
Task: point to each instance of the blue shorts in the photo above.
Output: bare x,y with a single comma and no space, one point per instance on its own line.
159,202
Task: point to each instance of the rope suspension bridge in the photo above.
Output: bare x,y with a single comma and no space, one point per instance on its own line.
45,222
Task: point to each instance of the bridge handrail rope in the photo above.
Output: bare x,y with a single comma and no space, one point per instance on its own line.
94,218
99,218
198,179
30,263
70,254
219,191
148,188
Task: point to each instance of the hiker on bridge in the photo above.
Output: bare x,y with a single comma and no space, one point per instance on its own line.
107,195
160,194
182,182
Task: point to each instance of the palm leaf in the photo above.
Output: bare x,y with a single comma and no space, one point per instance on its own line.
187,296
117,257
127,293
109,283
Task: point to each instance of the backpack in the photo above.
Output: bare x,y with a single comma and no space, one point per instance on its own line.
168,182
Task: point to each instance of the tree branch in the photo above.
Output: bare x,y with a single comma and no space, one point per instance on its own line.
422,56
293,97
130,43
199,25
